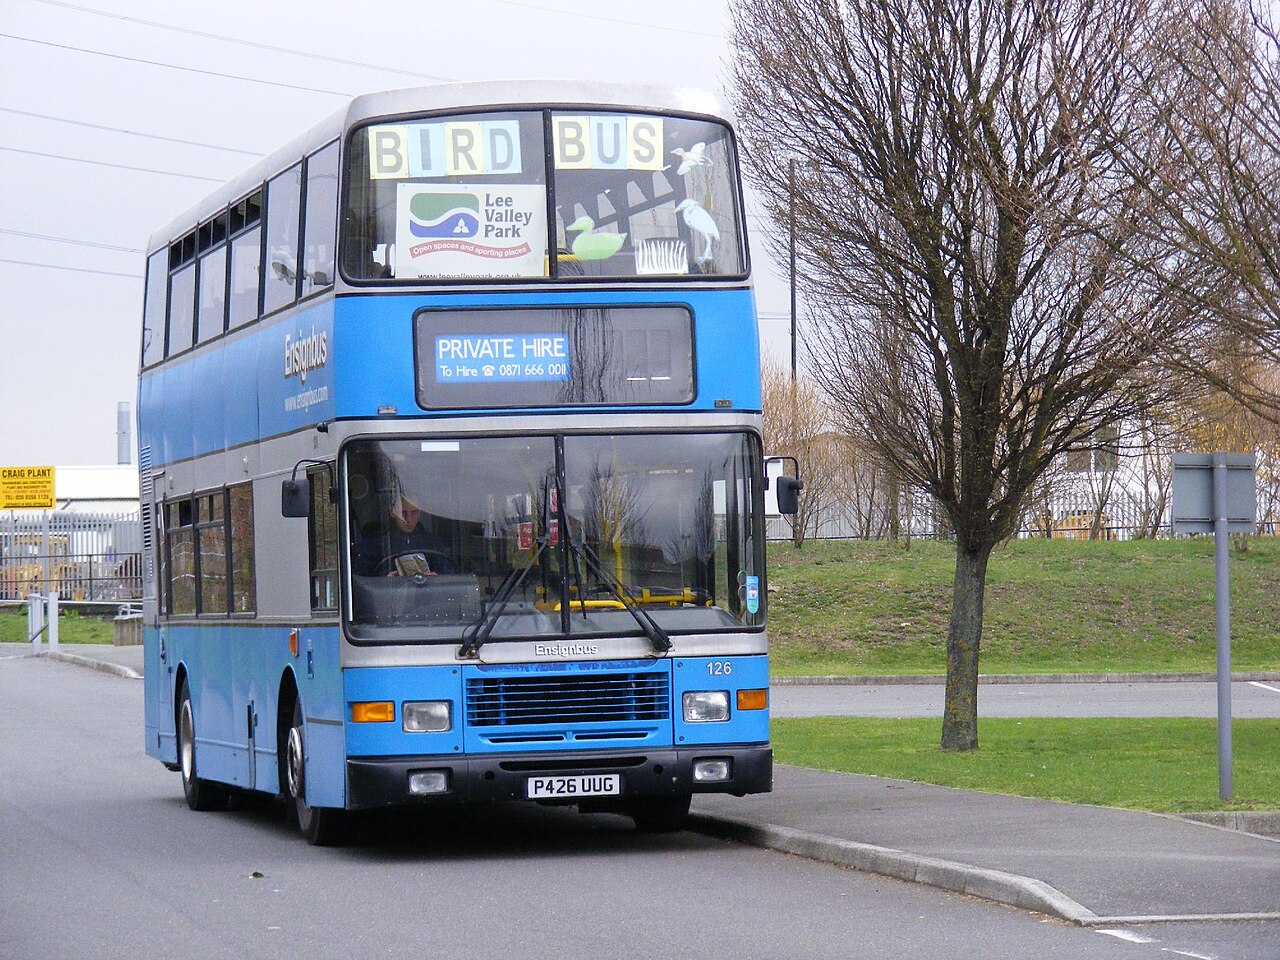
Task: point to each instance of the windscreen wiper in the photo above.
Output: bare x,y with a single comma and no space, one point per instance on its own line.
474,637
658,637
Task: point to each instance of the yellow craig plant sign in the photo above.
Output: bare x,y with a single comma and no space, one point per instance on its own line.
26,488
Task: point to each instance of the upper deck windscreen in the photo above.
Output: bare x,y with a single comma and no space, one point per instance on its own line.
531,195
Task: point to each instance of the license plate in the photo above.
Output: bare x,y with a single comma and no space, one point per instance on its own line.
589,785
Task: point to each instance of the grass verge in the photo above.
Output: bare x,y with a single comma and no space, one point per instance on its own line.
1052,606
1163,765
72,628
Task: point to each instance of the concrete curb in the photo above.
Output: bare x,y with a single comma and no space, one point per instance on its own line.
104,666
1258,823
934,679
1007,888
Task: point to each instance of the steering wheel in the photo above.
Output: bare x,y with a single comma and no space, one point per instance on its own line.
436,561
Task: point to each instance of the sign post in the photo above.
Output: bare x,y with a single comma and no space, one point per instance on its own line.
1217,493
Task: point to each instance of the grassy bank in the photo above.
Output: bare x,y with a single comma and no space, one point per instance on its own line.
1052,606
72,628
1166,765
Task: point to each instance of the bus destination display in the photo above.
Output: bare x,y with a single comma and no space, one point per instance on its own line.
502,358
554,356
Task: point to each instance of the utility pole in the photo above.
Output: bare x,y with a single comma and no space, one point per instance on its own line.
791,164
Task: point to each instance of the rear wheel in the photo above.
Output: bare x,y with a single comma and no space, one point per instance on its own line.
661,814
200,794
322,826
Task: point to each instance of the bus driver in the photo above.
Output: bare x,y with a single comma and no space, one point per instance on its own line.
400,545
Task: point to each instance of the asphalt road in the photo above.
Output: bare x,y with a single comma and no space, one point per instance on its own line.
1162,699
101,859
1169,699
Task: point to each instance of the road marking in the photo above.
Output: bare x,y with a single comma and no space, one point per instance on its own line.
1127,935
1186,953
1264,686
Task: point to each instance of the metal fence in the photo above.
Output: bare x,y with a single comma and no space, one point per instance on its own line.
1067,515
85,557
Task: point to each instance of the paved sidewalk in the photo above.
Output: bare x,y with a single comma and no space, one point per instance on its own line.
1110,863
122,661
1089,865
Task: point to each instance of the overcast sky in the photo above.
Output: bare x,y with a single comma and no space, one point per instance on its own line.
117,115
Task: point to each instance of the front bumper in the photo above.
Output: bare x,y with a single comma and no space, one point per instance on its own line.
384,781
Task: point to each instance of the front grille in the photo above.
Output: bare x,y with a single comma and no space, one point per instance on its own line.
571,698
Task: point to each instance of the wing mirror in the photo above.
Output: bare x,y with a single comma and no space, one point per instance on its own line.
295,497
789,495
788,492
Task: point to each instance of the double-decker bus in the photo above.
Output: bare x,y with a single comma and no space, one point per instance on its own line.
453,487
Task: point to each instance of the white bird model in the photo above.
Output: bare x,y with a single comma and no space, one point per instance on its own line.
695,156
699,221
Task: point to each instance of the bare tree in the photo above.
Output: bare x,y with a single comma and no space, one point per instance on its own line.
966,223
798,423
1215,217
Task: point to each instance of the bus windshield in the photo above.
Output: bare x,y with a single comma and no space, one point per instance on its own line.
449,534
470,197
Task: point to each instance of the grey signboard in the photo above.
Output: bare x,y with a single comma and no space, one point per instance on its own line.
1193,510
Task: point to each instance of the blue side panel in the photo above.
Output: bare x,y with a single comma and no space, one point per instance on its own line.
375,333
239,405
295,367
175,404
319,672
274,378
399,684
350,356
231,667
722,673
207,392
158,716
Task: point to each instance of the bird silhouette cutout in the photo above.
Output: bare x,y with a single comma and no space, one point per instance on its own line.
695,156
700,222
589,245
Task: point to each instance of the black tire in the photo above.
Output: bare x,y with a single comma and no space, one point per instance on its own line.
201,794
661,814
322,826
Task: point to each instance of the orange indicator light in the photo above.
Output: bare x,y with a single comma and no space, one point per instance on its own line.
293,642
753,699
378,711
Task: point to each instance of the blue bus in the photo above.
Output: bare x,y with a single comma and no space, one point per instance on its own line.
453,486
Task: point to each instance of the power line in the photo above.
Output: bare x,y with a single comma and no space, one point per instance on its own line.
59,266
78,243
132,133
118,166
592,16
245,43
174,66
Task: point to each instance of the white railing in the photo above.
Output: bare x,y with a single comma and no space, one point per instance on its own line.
42,619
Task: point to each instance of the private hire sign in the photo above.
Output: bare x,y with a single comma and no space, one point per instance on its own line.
26,488
502,358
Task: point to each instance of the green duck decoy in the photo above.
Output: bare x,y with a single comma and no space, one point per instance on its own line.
589,245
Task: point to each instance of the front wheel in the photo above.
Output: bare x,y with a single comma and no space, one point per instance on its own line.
200,794
322,826
661,814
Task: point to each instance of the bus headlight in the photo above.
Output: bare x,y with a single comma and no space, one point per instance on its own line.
706,706
427,716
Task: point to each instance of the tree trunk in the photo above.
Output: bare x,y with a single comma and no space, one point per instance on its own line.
960,712
892,503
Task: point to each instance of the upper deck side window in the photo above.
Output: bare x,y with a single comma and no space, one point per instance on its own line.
320,220
284,221
468,197
211,300
246,261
